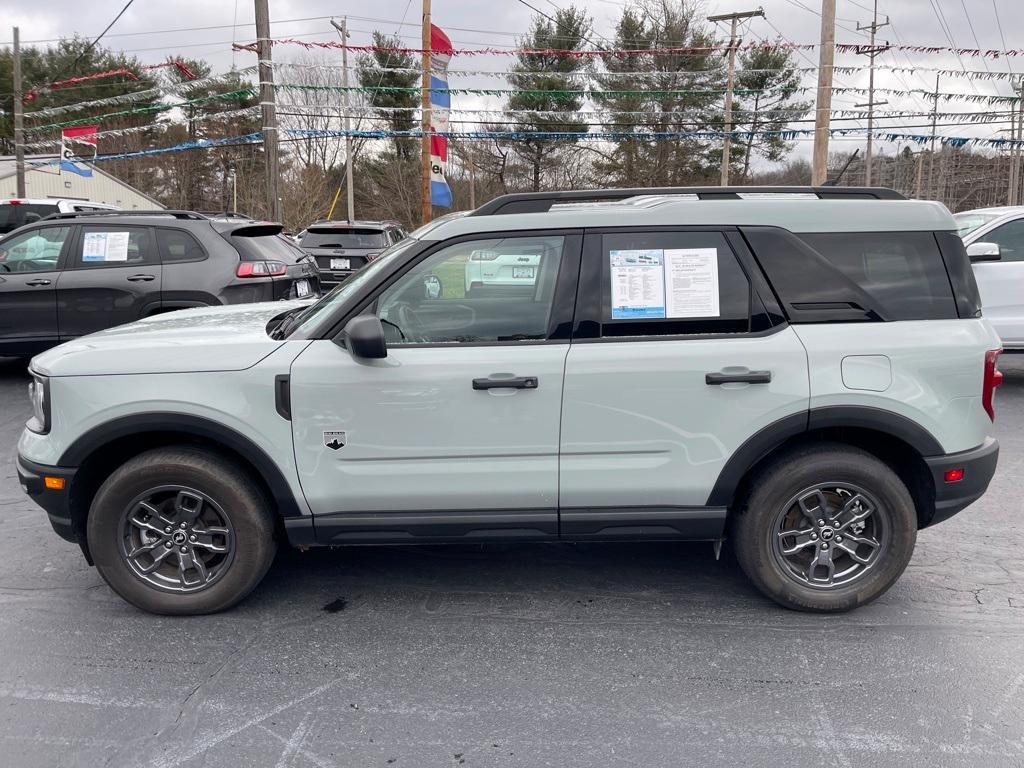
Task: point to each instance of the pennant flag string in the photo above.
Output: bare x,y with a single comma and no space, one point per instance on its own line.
149,93
786,135
180,66
148,109
632,52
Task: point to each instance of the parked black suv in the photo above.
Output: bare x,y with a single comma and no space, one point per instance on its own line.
75,273
342,247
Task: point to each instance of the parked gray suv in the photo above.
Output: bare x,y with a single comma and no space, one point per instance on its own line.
804,374
343,247
75,273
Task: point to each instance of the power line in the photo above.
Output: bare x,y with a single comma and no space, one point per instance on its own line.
93,43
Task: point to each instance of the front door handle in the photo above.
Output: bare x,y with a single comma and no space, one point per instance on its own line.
141,278
516,382
37,281
748,377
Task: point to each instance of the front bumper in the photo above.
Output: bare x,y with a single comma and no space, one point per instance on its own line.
56,503
978,465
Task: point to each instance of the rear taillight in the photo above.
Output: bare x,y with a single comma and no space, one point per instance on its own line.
261,269
993,378
483,255
371,256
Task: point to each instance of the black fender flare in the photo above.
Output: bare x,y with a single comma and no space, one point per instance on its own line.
764,441
140,424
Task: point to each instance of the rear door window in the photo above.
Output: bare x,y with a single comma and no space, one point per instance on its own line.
902,271
178,245
671,283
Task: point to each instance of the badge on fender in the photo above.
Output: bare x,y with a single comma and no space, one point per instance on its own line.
334,440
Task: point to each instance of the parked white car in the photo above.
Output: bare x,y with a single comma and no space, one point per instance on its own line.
995,244
17,212
488,268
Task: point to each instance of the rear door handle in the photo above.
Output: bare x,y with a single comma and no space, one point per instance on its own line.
750,377
141,278
37,281
517,382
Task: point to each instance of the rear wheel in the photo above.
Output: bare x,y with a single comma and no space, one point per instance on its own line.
181,531
825,528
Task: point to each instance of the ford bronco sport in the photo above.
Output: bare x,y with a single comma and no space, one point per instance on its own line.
803,373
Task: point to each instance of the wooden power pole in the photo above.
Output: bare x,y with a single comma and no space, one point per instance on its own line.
871,51
350,192
823,107
931,151
734,18
268,107
19,125
425,207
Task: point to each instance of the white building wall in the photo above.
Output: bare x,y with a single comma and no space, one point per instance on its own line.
99,188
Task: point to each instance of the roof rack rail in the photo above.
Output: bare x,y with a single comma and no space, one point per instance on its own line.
540,202
176,214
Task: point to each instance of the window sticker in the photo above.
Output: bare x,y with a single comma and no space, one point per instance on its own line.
105,246
691,277
638,283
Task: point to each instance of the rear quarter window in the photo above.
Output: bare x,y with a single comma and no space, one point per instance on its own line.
268,247
903,272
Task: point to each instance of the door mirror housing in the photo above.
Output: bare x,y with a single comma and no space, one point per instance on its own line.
983,252
363,336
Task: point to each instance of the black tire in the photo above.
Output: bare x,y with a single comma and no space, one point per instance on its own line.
230,493
772,507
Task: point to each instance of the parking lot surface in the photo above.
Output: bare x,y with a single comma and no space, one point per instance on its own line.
596,655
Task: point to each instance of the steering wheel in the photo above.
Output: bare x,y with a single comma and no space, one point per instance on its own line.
410,323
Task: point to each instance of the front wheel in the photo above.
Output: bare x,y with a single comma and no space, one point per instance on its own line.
825,528
181,531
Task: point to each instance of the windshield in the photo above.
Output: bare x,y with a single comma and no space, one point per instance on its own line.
970,221
311,321
338,237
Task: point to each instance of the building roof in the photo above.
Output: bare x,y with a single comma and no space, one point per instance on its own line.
8,168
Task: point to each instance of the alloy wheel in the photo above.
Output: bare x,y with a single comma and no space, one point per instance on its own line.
177,539
830,535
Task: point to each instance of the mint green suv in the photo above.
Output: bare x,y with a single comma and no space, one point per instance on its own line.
801,373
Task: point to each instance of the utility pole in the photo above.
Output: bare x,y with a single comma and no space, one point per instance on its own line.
1016,132
872,51
350,192
733,42
931,152
19,125
268,107
823,107
425,207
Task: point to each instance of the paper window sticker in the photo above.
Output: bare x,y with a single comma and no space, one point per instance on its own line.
117,246
691,282
94,246
637,283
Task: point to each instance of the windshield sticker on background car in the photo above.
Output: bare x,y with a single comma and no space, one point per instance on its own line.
105,246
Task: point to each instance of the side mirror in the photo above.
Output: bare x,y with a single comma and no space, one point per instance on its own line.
983,252
432,287
363,336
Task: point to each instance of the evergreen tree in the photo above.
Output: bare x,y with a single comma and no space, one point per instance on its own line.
380,69
543,81
641,98
770,73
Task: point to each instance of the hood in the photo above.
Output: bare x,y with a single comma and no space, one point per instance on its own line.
228,338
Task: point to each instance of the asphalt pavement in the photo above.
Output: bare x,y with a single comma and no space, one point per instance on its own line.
595,655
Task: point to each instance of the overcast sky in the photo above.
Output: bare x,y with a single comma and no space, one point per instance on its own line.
153,29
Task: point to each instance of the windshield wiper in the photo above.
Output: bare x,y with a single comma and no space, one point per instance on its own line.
288,322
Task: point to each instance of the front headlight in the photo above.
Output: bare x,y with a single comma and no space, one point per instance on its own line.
39,395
